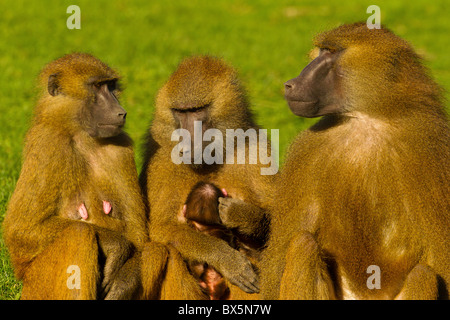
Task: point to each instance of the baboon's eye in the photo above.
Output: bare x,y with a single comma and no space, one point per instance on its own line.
323,50
111,85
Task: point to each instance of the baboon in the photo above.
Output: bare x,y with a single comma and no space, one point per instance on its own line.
205,89
78,161
201,212
367,187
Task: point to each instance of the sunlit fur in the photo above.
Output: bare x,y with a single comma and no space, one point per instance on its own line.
199,81
368,186
63,166
74,73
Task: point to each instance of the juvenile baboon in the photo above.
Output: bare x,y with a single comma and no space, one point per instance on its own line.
203,89
78,165
201,211
367,187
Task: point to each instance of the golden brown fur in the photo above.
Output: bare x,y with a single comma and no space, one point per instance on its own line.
201,81
64,166
368,186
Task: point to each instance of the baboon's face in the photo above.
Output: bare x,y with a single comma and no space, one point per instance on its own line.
107,117
102,115
315,92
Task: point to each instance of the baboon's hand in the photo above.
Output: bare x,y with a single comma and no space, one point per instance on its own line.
126,282
232,212
237,269
245,217
114,249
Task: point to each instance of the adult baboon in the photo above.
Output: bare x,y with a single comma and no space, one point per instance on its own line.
366,189
206,90
78,166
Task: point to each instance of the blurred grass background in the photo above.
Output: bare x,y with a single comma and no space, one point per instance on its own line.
267,41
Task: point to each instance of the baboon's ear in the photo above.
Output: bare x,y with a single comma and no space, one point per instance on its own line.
53,85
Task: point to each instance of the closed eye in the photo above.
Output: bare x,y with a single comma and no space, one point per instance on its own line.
194,109
323,50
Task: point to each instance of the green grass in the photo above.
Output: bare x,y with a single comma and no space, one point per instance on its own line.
267,41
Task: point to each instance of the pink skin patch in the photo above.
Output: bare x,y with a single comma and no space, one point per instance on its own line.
225,193
83,211
106,207
181,216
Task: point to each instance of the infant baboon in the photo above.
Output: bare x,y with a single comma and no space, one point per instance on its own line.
201,211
